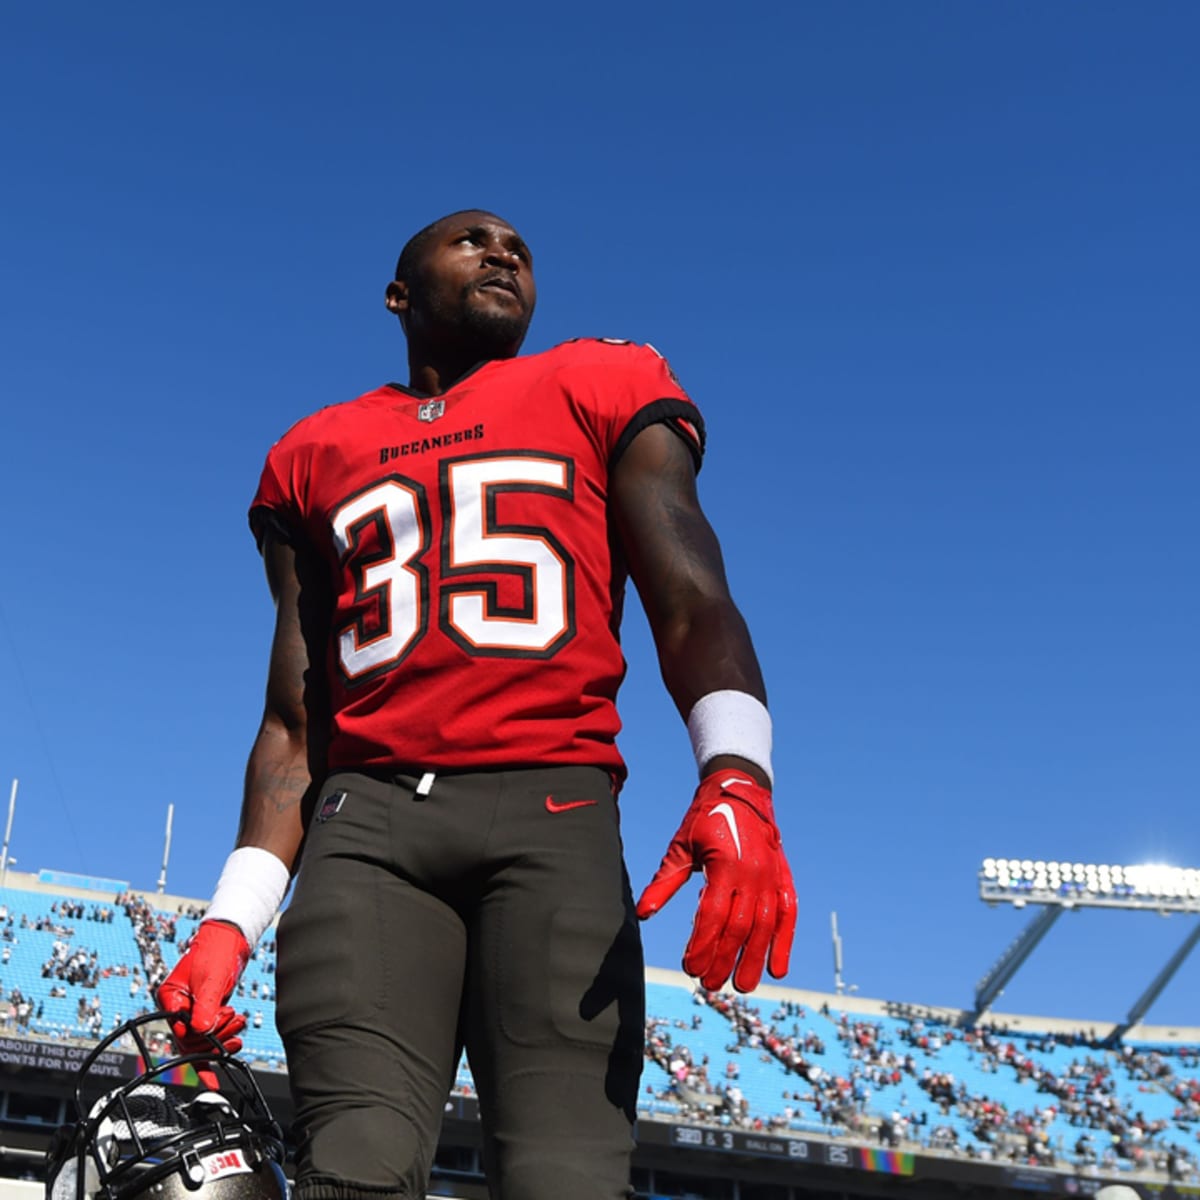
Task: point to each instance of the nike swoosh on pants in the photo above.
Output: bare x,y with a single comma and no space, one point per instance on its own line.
557,806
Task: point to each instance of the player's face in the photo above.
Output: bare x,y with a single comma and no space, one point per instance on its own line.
473,287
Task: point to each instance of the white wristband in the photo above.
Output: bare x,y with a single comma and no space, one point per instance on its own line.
730,722
250,891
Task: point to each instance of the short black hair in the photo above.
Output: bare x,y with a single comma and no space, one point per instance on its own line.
415,246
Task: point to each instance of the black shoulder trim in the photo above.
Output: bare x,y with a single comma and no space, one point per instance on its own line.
263,518
676,415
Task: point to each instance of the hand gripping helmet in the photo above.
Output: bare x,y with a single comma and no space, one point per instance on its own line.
154,1139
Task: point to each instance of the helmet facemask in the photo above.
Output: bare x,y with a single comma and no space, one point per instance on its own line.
154,1138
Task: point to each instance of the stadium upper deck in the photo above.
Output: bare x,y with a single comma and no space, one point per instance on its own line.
1025,1090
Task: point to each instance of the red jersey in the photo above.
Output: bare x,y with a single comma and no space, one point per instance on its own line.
476,581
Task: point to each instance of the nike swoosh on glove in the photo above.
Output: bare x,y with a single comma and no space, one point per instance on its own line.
746,917
196,991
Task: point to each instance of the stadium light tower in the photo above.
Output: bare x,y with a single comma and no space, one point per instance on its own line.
838,985
1057,886
1152,886
162,875
4,858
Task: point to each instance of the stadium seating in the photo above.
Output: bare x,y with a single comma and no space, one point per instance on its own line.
72,968
31,948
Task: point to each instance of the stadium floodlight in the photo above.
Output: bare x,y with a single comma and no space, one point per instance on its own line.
1053,886
1157,887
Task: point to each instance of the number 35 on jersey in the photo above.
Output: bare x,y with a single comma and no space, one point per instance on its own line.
385,536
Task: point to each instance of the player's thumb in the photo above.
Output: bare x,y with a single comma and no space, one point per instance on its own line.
666,882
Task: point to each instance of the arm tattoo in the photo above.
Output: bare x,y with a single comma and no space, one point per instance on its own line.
285,787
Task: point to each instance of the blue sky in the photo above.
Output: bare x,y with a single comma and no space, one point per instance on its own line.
930,271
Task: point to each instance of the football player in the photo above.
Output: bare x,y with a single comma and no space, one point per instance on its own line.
448,559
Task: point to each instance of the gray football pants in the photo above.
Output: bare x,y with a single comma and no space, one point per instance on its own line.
494,913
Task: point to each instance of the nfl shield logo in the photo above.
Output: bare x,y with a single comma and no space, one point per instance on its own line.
431,410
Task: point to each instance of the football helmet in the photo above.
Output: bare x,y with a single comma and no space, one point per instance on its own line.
156,1137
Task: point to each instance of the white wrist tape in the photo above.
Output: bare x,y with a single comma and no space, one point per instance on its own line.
730,722
250,891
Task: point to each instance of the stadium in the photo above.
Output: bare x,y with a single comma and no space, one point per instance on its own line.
780,1095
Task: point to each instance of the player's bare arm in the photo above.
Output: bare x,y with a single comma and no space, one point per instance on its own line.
287,752
675,561
284,761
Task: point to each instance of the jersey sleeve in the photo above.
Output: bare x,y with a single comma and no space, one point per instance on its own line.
633,388
276,505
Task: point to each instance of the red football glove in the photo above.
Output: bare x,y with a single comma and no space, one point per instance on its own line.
747,908
203,979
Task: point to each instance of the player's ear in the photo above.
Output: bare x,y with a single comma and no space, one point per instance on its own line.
397,298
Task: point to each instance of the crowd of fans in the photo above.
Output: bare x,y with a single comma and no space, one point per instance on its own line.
1083,1092
874,1097
694,1094
892,1088
151,928
17,1011
55,920
76,966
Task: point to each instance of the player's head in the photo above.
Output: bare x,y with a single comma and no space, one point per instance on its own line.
152,1139
465,284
